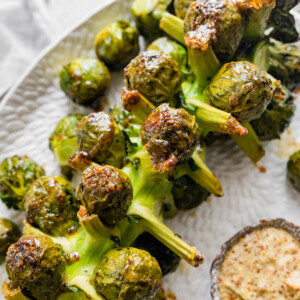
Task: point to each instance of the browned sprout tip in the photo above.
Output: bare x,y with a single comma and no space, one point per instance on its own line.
198,260
80,160
234,127
130,98
198,40
82,213
167,165
219,190
254,4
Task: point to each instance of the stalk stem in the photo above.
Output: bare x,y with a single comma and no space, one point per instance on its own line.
250,144
173,26
214,119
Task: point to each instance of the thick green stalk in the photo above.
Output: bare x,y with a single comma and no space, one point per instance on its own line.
150,190
204,64
203,175
250,144
136,103
173,26
257,22
214,119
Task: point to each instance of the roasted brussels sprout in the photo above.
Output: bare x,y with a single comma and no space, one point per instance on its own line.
170,135
181,7
277,116
216,23
35,265
127,273
51,206
9,234
84,80
283,26
167,260
293,170
101,138
174,49
16,175
63,140
155,75
188,194
105,191
241,89
284,63
147,15
257,14
117,44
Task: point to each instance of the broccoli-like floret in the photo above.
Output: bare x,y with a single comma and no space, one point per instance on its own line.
17,173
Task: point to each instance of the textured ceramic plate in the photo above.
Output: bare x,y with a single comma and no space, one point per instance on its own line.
30,111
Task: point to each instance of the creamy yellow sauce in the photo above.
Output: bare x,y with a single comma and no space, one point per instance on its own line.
264,265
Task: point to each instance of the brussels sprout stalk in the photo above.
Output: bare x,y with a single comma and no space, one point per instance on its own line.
204,63
150,191
173,26
250,144
258,15
215,119
141,107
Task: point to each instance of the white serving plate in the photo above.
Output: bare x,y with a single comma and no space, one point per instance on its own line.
31,109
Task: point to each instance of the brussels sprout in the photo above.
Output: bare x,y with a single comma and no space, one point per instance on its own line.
9,234
283,26
147,15
174,49
63,141
293,170
181,7
101,138
216,23
51,206
188,194
35,265
155,75
117,44
127,273
167,259
277,116
105,191
84,79
170,135
285,63
242,89
16,175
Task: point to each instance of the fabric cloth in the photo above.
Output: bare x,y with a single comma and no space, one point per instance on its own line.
28,26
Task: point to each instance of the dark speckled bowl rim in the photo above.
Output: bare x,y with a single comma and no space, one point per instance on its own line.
291,228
